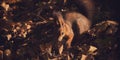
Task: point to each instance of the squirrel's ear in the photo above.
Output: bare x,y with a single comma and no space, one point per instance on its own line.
57,13
56,19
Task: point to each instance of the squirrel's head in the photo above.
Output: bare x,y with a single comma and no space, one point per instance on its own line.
60,22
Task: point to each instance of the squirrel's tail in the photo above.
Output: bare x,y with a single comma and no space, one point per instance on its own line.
86,7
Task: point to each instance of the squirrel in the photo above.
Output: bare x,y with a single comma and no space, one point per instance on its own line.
73,23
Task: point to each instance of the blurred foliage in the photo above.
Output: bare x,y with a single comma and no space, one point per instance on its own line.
28,31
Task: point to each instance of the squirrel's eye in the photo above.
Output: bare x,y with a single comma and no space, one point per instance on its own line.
62,33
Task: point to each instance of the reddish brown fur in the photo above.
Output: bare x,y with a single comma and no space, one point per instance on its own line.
65,30
67,23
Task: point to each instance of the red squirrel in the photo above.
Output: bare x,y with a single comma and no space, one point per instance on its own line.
67,24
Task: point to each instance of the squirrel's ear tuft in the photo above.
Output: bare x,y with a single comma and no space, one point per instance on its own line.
57,13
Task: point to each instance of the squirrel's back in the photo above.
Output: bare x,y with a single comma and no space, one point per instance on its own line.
77,20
